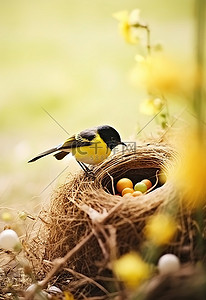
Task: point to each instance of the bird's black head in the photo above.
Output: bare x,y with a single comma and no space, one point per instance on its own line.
110,136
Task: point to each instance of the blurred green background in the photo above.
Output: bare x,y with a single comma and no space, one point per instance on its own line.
68,58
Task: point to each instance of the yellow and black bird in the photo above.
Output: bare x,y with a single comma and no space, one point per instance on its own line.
90,146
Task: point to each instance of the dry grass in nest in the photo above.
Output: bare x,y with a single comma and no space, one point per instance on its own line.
117,229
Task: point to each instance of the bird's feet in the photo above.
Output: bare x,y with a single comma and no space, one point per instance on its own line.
87,170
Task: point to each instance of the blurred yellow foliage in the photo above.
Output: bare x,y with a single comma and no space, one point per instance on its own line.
131,269
161,74
190,175
68,296
160,229
127,22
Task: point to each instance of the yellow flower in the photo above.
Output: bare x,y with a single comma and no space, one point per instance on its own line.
131,269
127,22
160,229
190,174
151,106
161,74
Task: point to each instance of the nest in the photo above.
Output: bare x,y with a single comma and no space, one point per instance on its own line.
87,220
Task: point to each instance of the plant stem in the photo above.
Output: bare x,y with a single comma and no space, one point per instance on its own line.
146,27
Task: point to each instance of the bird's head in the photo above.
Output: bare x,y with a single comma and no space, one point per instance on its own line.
110,136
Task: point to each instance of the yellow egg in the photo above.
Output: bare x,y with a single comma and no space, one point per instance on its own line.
140,186
124,183
127,195
162,178
127,190
147,182
137,194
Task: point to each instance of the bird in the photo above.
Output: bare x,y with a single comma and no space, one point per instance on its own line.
90,146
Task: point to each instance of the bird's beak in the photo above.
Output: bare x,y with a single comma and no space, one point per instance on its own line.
121,143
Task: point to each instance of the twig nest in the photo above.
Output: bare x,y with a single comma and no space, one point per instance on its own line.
67,220
90,207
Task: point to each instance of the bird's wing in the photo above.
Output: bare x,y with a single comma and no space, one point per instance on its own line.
87,134
82,139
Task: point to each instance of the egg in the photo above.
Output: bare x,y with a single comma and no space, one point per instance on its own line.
128,195
140,186
55,290
9,240
38,293
127,191
168,263
147,182
124,183
137,194
162,178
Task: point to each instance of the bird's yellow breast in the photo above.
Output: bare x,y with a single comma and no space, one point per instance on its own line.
93,154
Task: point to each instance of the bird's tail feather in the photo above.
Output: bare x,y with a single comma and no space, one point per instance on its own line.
60,155
47,152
